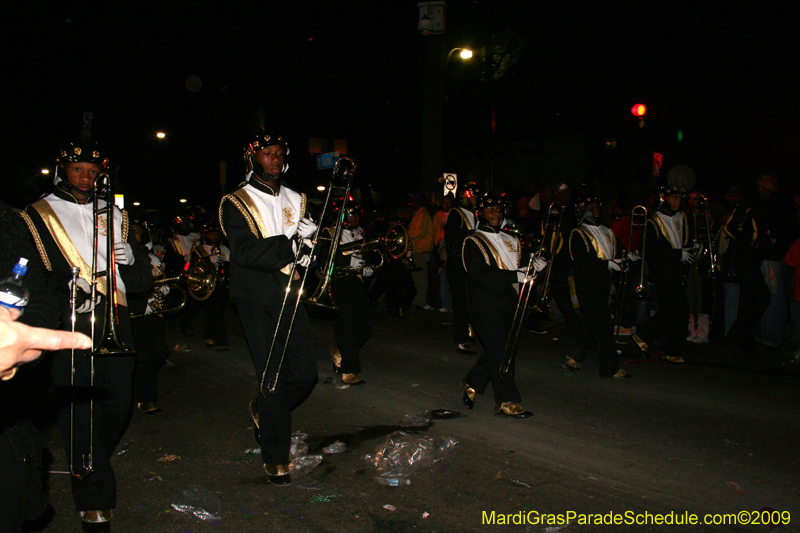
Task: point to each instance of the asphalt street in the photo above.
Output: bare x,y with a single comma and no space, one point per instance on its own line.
716,436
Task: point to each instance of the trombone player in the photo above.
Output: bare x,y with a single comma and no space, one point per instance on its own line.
593,249
62,225
492,262
261,220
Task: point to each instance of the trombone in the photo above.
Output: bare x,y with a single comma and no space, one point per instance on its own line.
555,210
110,341
526,289
640,292
343,169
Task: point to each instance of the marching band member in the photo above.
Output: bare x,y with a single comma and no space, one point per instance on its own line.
149,334
211,249
261,219
62,224
667,238
352,322
593,248
461,222
491,260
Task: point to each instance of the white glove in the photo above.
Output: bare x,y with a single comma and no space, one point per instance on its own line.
123,254
634,256
357,263
687,257
148,310
521,276
539,264
366,271
615,264
306,227
164,290
89,305
304,261
82,285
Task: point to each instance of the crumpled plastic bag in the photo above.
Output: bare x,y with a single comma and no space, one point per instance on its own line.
336,447
303,465
298,448
401,455
415,421
198,502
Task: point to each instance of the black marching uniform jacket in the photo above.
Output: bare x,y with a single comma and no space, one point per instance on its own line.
58,242
259,223
593,287
491,259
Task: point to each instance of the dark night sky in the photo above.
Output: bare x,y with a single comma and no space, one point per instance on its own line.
353,69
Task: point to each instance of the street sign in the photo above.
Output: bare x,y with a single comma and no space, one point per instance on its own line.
450,184
327,160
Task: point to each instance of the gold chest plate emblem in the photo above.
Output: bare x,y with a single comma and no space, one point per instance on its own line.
103,227
288,216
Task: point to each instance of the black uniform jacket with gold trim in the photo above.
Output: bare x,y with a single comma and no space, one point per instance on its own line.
256,258
663,260
590,263
490,287
457,227
137,277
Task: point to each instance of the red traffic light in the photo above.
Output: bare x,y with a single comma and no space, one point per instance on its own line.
638,110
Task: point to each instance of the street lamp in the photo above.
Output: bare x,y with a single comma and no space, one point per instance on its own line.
465,53
161,134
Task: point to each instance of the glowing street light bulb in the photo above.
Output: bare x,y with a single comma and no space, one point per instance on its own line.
137,203
45,171
182,200
466,54
161,134
320,188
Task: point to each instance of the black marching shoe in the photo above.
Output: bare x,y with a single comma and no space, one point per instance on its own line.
466,348
96,521
638,344
336,359
572,365
469,395
148,408
512,410
278,475
352,379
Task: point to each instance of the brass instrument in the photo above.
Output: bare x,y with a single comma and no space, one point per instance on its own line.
707,241
203,277
110,341
157,299
551,239
528,285
638,221
342,170
394,244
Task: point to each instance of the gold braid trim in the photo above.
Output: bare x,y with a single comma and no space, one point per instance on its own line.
488,246
37,239
124,225
480,246
237,202
583,236
302,205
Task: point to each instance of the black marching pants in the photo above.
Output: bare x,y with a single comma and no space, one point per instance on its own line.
492,331
297,377
352,323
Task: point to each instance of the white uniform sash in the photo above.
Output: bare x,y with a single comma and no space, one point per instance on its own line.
504,248
672,227
72,227
603,239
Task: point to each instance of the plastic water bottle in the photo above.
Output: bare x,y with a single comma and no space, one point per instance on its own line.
13,292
